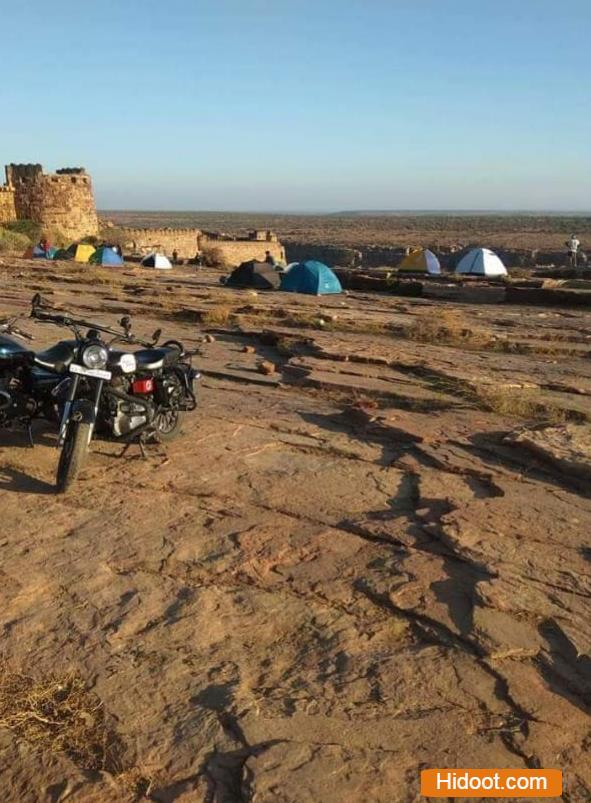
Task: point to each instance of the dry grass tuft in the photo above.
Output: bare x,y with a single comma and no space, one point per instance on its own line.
447,327
526,404
217,316
61,715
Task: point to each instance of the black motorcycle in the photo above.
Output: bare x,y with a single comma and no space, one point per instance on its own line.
132,396
30,383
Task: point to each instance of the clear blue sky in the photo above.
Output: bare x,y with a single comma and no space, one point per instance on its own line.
301,105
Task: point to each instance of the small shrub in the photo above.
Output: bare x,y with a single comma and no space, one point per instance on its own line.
13,241
213,257
217,316
113,235
56,236
32,231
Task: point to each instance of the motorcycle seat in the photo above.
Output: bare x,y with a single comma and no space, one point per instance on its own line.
57,358
155,359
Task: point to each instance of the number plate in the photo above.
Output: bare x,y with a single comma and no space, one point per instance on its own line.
94,372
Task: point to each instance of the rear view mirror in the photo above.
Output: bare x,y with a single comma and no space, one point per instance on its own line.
156,336
36,300
125,323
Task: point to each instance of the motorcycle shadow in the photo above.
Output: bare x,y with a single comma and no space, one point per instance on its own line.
16,481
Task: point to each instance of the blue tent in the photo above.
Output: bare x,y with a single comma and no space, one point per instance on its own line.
105,256
311,277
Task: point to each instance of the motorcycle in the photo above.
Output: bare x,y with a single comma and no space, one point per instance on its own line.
131,396
30,382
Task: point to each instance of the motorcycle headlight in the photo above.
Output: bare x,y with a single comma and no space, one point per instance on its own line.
127,363
95,356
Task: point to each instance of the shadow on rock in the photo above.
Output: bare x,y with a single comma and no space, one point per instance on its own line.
564,670
356,423
491,449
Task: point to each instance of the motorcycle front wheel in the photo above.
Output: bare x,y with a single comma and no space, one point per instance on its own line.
73,454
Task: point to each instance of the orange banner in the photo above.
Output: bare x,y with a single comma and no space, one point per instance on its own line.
491,783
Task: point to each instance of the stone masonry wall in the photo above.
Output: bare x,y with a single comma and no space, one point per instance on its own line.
7,208
61,200
188,242
237,251
65,202
143,241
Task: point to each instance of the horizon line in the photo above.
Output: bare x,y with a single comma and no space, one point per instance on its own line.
345,212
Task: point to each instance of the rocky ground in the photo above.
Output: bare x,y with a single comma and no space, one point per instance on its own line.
371,559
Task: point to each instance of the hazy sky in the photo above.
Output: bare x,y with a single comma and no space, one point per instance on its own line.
309,105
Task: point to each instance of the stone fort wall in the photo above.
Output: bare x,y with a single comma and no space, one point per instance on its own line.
237,251
7,208
62,200
143,241
189,242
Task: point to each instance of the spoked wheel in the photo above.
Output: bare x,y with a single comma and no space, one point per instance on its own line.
73,454
167,424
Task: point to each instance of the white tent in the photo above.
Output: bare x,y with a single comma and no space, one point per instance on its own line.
156,261
481,262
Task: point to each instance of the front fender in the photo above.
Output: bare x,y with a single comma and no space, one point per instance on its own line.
83,411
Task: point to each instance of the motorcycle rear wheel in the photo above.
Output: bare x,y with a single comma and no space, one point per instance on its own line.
73,454
167,424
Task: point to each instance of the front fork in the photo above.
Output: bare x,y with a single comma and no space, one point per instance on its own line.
71,413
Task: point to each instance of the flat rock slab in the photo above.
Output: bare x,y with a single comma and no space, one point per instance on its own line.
567,447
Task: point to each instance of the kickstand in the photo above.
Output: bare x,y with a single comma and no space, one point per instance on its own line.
132,443
30,436
125,448
143,439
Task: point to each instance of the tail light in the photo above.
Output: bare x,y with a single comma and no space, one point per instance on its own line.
140,386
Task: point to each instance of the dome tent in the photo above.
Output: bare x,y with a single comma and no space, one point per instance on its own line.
312,277
261,275
155,260
63,253
81,252
481,262
105,256
421,260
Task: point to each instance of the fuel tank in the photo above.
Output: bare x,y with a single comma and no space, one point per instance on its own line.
13,353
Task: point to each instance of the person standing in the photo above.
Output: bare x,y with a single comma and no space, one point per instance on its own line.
270,259
573,250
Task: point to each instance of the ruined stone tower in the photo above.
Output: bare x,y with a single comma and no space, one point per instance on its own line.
62,200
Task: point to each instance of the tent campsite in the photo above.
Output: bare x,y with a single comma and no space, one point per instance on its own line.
421,260
155,260
481,262
63,253
312,277
81,252
259,275
105,256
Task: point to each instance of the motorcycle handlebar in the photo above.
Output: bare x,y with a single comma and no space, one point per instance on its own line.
8,325
40,309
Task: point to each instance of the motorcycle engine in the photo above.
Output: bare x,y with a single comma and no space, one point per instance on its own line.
14,402
125,416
